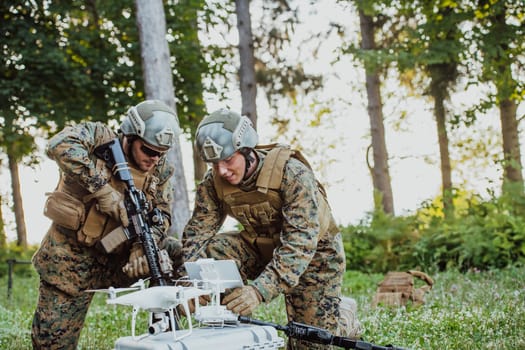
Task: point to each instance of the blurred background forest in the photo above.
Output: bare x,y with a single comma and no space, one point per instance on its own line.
437,84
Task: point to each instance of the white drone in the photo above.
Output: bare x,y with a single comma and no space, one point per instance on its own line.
206,277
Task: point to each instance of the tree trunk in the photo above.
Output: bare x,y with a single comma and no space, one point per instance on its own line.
380,172
3,235
446,170
501,57
511,144
21,232
158,84
248,84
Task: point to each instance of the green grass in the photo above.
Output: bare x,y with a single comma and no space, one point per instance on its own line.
475,310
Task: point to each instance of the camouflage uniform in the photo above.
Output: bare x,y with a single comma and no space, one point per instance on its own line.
308,261
67,267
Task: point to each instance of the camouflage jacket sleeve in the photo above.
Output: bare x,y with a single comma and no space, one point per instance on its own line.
72,149
163,193
207,218
299,235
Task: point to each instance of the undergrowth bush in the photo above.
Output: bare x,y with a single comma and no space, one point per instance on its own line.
12,251
481,234
464,310
379,242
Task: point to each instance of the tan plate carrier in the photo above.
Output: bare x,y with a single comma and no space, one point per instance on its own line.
397,288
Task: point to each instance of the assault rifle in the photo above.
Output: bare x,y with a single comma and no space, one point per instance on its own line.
137,208
317,335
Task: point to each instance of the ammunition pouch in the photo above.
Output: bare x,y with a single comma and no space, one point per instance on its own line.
263,244
95,226
64,210
114,239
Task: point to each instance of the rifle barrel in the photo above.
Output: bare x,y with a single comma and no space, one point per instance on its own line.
318,335
245,319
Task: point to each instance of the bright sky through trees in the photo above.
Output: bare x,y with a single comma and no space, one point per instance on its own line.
336,147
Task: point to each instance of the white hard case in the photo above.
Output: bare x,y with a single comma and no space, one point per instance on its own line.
241,337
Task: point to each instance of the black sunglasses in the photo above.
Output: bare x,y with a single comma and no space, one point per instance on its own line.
151,152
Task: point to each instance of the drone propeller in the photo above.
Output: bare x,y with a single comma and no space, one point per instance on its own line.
153,298
141,283
112,291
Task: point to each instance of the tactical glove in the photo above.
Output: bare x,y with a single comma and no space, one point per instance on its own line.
243,300
110,202
174,248
138,266
203,301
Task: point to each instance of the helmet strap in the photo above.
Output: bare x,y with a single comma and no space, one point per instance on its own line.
248,160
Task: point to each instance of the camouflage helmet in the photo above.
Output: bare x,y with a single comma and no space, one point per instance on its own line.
222,133
154,122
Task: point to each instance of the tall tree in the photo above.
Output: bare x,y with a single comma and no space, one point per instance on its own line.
248,84
27,44
17,201
46,78
277,75
371,54
432,44
188,18
380,172
158,84
89,55
3,236
499,37
440,77
441,64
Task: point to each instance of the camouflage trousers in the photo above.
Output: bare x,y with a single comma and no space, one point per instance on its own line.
66,270
314,301
58,319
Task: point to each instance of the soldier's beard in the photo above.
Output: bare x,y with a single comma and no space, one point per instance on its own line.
131,157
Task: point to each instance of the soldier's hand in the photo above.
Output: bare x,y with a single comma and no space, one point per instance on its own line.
203,301
243,300
137,265
111,202
173,247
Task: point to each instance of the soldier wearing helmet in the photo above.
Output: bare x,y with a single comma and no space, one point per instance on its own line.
289,243
87,206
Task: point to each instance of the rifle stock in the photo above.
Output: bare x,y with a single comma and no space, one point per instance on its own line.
317,335
137,208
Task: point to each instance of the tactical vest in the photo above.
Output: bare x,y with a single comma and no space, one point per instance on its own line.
93,223
259,210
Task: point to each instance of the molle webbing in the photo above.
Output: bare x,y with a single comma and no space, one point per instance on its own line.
259,210
272,171
272,174
96,223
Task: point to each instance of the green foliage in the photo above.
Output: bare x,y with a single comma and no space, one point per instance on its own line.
61,62
472,310
11,251
16,313
498,33
380,243
185,19
276,73
66,51
481,234
85,60
489,234
357,282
